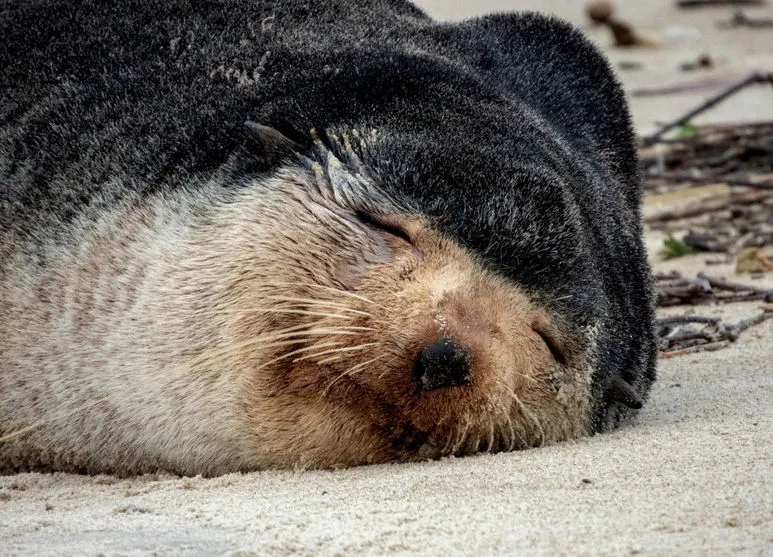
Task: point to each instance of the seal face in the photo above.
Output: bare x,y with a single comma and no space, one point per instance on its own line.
231,239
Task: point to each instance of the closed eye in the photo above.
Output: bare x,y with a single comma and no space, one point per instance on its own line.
552,344
381,224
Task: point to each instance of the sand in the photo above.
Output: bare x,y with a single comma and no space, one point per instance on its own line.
693,476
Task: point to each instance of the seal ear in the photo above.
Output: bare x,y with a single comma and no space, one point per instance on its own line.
621,391
267,146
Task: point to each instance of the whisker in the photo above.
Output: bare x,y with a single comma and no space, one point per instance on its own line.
392,359
511,442
476,445
288,354
350,371
342,308
528,414
56,418
461,436
330,360
307,348
313,301
274,310
347,330
527,377
515,398
490,435
345,349
342,292
322,303
272,338
328,288
333,306
447,446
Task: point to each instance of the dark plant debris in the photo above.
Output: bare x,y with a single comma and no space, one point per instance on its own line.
716,182
738,157
740,19
687,334
675,290
751,79
708,3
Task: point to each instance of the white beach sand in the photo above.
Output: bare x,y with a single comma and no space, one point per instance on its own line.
694,476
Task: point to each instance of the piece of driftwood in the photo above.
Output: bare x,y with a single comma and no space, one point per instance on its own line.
722,284
740,156
686,203
686,178
709,347
688,334
681,319
705,84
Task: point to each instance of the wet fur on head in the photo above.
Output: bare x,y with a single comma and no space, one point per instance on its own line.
233,296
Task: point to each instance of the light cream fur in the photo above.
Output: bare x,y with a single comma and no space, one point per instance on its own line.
274,330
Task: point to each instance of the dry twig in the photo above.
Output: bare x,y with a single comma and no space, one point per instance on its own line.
740,19
704,3
753,79
678,334
675,291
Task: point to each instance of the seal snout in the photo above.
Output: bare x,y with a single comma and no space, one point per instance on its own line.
442,364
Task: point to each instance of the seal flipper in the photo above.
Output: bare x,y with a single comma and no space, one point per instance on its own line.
266,146
623,392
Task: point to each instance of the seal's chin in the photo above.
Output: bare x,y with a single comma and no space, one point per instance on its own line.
499,409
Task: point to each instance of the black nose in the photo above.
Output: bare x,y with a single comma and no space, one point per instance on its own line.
443,364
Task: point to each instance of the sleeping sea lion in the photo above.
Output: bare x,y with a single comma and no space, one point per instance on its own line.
303,233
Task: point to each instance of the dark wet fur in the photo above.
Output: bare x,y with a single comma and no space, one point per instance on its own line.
508,131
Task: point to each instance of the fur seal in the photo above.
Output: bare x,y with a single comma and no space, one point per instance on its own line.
237,235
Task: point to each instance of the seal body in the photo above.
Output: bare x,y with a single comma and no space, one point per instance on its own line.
237,235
